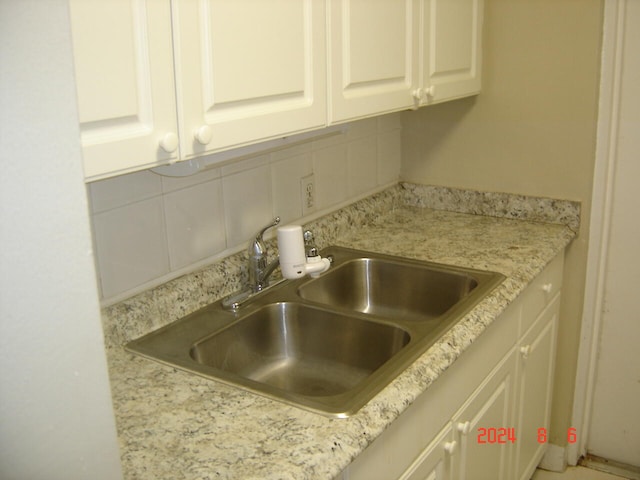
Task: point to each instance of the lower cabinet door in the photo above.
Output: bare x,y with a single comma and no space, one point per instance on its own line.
434,463
483,427
537,357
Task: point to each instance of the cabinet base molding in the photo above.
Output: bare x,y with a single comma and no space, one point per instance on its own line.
554,458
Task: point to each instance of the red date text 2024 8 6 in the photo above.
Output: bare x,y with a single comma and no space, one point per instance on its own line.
508,435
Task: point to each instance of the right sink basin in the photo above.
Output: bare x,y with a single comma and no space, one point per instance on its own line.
396,288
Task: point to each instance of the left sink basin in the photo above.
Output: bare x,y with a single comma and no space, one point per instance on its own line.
307,356
300,349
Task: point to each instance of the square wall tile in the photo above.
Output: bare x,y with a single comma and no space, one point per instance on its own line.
195,223
122,190
330,171
389,156
171,184
131,246
363,128
244,164
363,165
247,203
332,140
285,178
292,151
391,121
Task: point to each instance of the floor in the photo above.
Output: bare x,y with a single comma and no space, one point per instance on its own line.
574,473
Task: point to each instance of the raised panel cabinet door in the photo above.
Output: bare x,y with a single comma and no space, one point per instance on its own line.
248,70
434,463
537,361
125,84
482,425
371,57
451,49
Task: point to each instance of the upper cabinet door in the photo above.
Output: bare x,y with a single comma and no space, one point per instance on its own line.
248,70
371,47
451,49
124,76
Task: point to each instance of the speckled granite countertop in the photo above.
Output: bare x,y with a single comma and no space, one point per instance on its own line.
175,425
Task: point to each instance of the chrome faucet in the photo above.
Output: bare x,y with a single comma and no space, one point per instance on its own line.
259,270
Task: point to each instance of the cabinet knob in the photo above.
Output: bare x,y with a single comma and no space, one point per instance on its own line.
525,351
547,287
430,91
464,427
204,134
418,98
169,143
450,447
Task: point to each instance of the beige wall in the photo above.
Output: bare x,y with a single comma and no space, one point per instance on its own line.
531,131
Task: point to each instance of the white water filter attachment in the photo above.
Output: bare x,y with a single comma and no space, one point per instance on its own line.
293,261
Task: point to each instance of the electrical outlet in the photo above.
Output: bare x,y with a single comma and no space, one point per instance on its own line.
308,194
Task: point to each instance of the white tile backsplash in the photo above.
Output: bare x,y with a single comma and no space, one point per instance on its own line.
363,128
124,190
285,178
195,223
245,164
363,165
171,184
148,228
389,156
330,167
131,246
293,151
247,203
387,123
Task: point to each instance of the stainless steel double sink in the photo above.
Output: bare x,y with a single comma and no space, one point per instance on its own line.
327,344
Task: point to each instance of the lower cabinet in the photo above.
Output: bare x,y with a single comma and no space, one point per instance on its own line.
481,426
467,447
537,360
487,416
435,462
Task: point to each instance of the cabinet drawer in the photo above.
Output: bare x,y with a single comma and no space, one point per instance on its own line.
543,288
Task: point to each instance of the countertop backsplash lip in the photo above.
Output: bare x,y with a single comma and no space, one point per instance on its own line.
159,306
159,408
494,204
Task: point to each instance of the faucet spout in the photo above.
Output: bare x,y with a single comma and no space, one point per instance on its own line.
268,271
259,270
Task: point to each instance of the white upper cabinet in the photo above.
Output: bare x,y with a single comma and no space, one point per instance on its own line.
451,55
388,55
160,81
124,76
248,70
372,57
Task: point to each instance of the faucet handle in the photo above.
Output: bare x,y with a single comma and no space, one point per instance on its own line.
309,244
256,247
